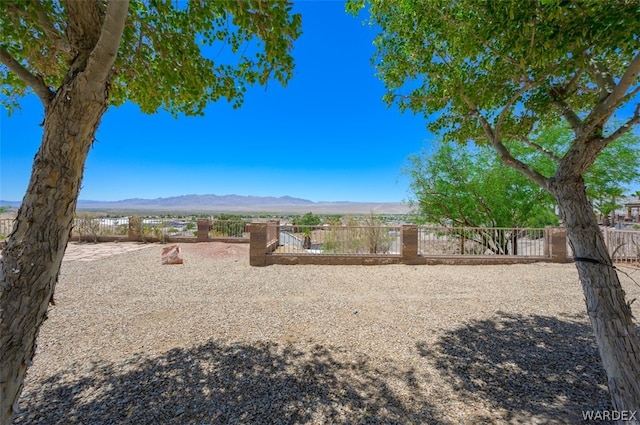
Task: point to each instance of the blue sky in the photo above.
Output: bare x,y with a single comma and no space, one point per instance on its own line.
327,136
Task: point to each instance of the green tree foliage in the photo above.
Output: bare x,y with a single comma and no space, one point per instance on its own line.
499,72
468,185
308,219
616,168
607,179
176,56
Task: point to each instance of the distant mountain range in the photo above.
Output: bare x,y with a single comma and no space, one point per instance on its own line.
237,203
198,201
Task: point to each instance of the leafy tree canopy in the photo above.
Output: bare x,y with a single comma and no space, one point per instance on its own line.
176,56
507,69
308,219
469,185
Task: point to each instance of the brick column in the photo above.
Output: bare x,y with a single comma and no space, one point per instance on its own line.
273,235
204,225
556,244
409,241
258,244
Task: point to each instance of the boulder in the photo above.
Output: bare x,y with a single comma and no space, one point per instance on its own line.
171,255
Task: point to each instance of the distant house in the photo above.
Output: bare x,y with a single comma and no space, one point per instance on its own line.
633,211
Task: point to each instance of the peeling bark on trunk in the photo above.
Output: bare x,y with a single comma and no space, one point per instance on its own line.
616,335
31,260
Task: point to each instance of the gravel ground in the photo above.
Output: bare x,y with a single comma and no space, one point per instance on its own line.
215,341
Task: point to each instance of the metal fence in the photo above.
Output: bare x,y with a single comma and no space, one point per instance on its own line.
162,228
528,242
88,228
339,240
6,226
624,246
229,229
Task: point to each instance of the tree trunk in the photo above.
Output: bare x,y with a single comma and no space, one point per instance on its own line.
610,315
31,260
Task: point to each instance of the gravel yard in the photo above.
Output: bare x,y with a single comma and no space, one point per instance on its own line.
215,341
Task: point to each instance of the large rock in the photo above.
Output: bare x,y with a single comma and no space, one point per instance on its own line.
171,255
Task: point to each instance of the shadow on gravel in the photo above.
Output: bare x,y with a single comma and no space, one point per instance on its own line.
528,365
263,383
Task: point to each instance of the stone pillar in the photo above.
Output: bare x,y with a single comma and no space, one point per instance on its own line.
273,235
409,240
556,244
258,244
204,225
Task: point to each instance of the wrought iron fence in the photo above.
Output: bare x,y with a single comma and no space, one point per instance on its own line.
624,246
527,242
341,240
229,229
162,228
89,228
6,226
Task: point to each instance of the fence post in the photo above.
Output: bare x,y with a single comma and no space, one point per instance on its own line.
204,225
258,244
409,240
556,246
274,235
135,227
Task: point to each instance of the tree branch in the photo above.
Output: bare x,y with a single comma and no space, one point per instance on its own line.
508,105
626,127
601,75
423,98
631,94
605,108
573,82
483,121
36,83
540,149
105,51
61,44
568,113
501,149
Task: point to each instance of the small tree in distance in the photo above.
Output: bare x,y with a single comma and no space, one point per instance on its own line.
308,219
